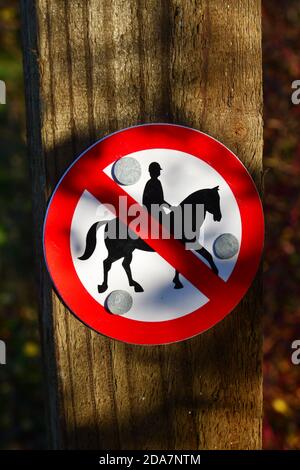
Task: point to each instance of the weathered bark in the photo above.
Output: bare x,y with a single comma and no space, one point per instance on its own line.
95,66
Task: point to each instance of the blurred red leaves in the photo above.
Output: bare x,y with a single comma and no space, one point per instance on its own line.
281,62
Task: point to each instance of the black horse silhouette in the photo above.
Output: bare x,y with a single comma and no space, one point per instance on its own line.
124,247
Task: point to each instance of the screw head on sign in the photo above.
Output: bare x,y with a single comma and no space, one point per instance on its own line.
226,246
127,171
119,302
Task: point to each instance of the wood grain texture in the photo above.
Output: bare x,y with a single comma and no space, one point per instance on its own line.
96,66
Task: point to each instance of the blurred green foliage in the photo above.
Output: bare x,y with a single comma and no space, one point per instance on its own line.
21,402
21,397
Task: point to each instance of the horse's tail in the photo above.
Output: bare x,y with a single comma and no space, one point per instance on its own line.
91,240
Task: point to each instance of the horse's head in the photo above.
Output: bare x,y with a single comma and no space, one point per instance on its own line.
212,204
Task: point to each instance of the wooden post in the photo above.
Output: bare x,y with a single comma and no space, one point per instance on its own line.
95,66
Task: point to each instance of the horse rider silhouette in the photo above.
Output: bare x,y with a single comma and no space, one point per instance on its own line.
123,248
153,192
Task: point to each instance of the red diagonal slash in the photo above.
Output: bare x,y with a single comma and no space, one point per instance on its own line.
191,267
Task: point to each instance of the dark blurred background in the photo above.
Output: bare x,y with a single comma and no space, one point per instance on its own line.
281,62
21,390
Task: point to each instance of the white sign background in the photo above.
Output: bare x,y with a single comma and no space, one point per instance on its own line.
181,175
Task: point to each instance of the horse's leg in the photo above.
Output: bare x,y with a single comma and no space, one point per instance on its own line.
206,255
126,265
177,283
106,268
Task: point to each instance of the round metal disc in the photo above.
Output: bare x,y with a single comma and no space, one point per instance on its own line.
226,246
119,302
127,170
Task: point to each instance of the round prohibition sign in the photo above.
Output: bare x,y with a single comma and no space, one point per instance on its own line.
87,173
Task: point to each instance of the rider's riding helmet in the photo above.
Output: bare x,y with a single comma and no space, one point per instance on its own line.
154,166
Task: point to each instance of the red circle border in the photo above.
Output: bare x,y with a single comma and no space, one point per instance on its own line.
56,239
